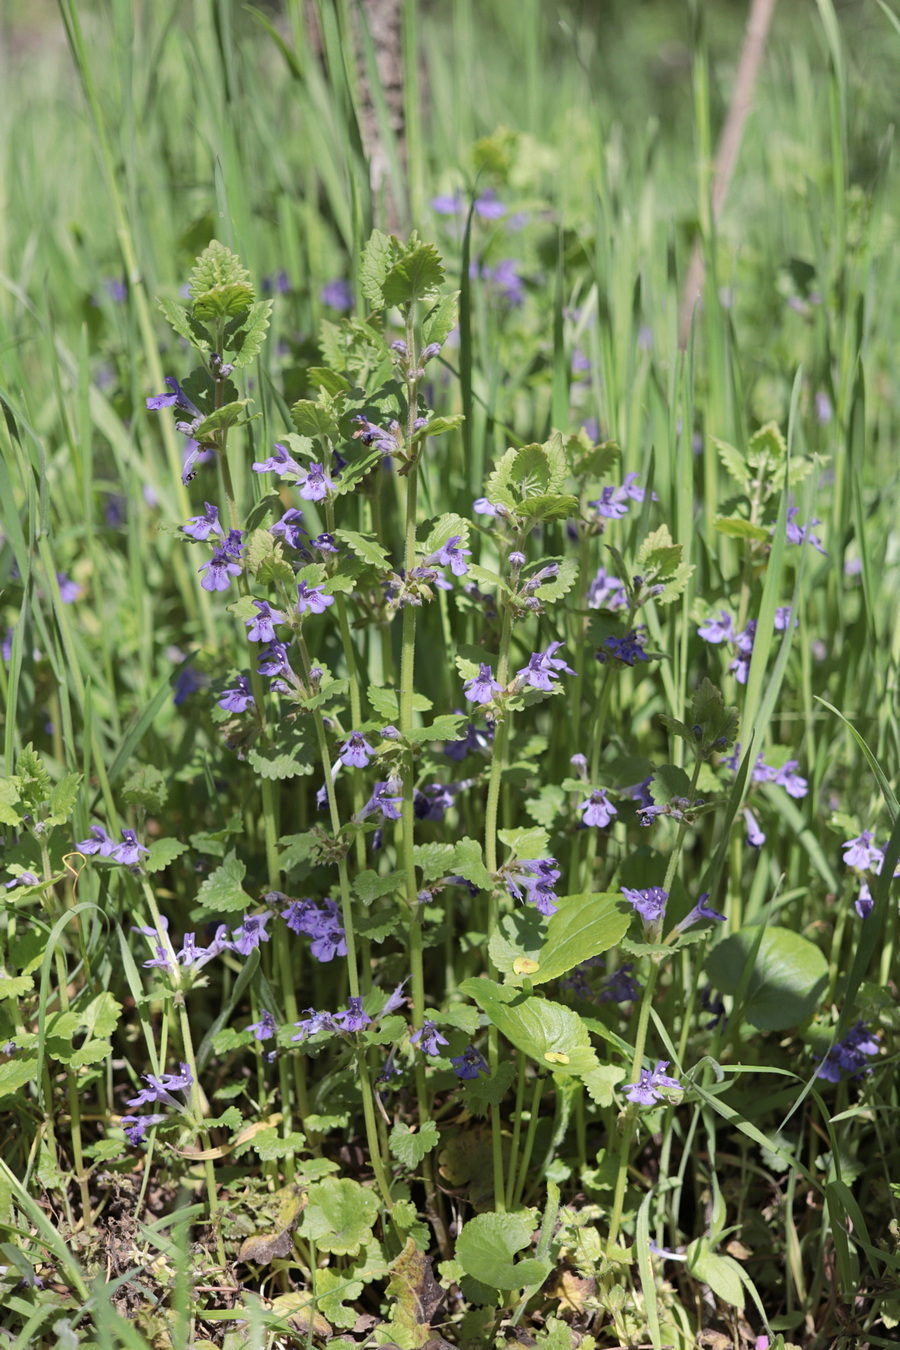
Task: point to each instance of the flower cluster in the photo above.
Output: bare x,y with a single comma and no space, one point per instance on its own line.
322,923
849,1055
100,843
533,880
866,859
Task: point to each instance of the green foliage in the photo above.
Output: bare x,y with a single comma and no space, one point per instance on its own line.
339,1215
219,285
410,1147
780,975
548,1032
487,1246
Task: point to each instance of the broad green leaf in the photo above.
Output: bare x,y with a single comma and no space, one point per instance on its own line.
225,416
9,795
62,799
439,321
736,528
146,787
583,926
334,1292
222,890
91,1052
669,781
101,1016
556,587
223,302
244,338
185,324
373,268
162,853
594,462
320,377
340,1215
418,275
734,462
487,1246
547,506
550,1033
767,447
527,843
15,986
435,860
788,980
15,1073
369,886
219,285
312,419
365,547
445,728
468,862
721,1273
410,1146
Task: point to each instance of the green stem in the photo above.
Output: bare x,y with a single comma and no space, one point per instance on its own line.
187,1043
529,1139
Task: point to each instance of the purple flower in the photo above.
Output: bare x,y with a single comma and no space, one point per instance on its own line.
387,798
452,556
482,687
161,959
744,645
353,1019
289,527
700,913
388,442
620,987
428,1039
337,293
537,877
315,484
200,527
598,809
606,592
543,667
197,957
483,507
473,739
448,205
137,1126
98,842
470,1063
233,545
628,649
793,783
187,682
433,802
250,934
718,630
273,661
130,851
861,852
24,879
69,590
796,534
864,904
783,618
314,1023
194,453
646,1090
613,501
355,751
279,462
651,906
488,207
176,399
261,628
221,569
265,1028
312,598
755,836
238,699
849,1055
161,1088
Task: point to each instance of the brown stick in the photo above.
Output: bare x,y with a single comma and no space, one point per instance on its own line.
759,22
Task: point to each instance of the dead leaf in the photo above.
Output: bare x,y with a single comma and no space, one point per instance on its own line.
416,1292
300,1315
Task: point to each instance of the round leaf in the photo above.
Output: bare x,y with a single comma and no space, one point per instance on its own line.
486,1246
788,980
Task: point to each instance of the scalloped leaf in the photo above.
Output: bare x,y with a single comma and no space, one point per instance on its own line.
223,417
366,548
219,284
409,1147
222,891
245,338
312,419
767,447
440,321
376,261
340,1215
487,1246
442,531
417,275
185,324
734,462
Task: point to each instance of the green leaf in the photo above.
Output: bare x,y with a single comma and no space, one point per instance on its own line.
340,1215
439,322
101,1016
734,462
600,1083
32,778
595,462
487,1245
548,1032
91,1052
721,1273
669,781
15,986
62,799
320,377
529,842
312,419
162,853
435,860
365,547
219,285
278,762
185,324
767,447
223,417
418,275
244,338
15,1073
562,583
788,978
438,426
443,530
369,886
583,926
146,787
736,528
373,268
547,506
222,890
468,863
9,795
444,728
410,1146
334,1291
